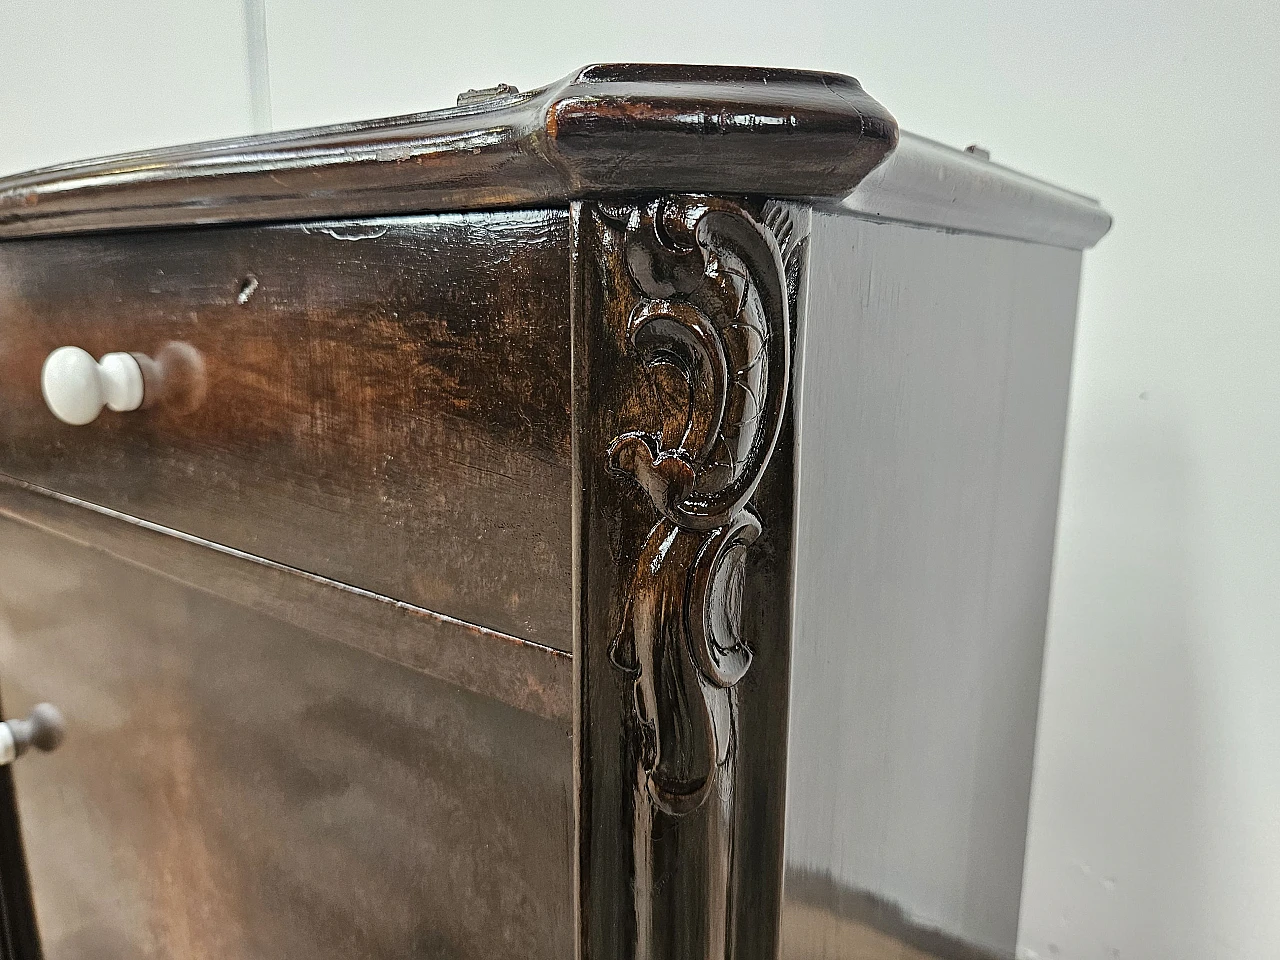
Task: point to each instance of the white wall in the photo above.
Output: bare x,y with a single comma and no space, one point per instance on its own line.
88,77
1156,810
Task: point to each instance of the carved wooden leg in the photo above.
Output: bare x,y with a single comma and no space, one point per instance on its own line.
683,326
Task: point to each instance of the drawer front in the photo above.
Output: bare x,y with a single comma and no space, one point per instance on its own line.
233,787
382,402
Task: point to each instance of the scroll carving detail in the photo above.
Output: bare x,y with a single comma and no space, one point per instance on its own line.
712,328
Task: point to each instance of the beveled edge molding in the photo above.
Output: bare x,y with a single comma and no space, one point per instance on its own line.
520,673
683,351
930,184
607,130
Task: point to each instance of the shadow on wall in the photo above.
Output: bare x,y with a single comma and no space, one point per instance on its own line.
1122,744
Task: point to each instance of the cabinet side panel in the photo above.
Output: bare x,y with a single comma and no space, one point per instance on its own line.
933,405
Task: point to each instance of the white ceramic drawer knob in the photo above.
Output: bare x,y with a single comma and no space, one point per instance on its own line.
76,386
43,729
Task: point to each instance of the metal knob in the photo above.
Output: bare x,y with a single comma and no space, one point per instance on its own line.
43,728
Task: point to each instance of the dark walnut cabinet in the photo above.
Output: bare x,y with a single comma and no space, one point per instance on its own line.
611,521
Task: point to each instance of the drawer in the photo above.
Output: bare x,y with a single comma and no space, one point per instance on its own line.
384,403
236,787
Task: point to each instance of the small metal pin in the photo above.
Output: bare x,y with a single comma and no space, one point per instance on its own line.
470,97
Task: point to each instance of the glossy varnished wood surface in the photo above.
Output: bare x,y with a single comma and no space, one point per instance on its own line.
309,613
608,130
520,673
681,688
386,402
235,787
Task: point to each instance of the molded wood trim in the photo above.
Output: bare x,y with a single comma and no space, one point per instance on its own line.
927,183
608,130
685,310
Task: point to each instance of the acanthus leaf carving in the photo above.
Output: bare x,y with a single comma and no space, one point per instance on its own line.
712,329
715,311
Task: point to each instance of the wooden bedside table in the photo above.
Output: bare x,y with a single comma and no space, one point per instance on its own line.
613,520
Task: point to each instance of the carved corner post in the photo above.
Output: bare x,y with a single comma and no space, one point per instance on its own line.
684,325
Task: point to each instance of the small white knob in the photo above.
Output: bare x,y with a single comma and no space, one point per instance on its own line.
43,728
76,387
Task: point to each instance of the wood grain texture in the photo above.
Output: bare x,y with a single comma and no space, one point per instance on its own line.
934,377
516,672
608,130
386,402
238,788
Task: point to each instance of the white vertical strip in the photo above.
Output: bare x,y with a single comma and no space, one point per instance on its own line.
257,64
